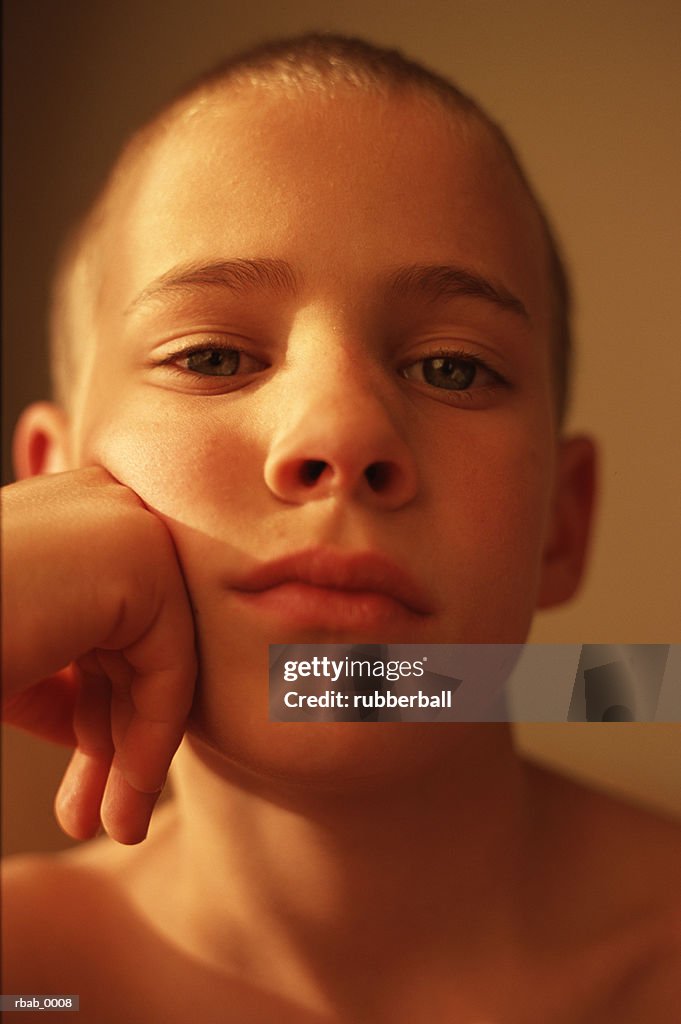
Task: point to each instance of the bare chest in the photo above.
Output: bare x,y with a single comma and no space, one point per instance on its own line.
125,979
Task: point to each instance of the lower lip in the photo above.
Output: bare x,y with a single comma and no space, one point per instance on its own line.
304,605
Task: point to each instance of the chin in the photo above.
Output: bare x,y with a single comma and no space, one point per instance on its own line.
230,728
329,757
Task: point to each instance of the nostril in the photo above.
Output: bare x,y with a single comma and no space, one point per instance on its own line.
310,471
378,476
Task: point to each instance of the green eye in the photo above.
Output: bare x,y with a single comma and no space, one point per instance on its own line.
214,362
450,372
211,365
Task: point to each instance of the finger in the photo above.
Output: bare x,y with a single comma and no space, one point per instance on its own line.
163,656
125,811
128,733
78,800
107,711
120,675
91,719
164,674
147,751
80,794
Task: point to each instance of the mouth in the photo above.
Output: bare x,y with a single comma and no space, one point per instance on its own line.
325,587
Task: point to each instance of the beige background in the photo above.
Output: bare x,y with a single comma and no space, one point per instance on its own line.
589,91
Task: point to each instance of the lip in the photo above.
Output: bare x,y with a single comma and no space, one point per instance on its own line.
322,583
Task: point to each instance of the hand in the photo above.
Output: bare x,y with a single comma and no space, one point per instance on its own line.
98,643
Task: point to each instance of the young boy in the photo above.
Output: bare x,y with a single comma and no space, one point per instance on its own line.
311,351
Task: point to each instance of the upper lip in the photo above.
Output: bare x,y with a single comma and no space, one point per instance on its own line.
323,567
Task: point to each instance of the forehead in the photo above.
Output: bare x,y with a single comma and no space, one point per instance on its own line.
342,185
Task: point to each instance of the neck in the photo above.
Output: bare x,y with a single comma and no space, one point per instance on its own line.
314,880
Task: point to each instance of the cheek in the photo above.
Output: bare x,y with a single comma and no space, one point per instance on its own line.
189,466
496,478
511,499
201,476
494,499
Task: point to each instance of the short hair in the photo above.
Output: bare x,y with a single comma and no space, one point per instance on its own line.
311,62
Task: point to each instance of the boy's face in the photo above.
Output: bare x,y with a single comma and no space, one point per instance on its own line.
378,406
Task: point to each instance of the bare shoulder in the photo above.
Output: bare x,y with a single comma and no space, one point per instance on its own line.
639,849
80,891
52,905
614,888
650,989
36,888
71,926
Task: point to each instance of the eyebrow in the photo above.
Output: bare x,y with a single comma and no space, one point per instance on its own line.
443,282
239,276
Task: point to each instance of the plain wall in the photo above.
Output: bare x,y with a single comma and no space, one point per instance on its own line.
589,92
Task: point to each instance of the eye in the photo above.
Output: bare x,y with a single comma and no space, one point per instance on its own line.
209,363
448,372
453,371
217,362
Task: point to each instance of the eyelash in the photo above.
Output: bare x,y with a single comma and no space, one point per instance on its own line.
454,395
170,362
469,393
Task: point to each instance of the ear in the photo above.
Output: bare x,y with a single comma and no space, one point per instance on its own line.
41,441
565,552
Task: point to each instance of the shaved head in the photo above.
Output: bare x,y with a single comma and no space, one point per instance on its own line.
306,65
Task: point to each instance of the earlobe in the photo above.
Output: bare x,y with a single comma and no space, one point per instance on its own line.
41,441
567,545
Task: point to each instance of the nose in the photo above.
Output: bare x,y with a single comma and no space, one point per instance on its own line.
339,441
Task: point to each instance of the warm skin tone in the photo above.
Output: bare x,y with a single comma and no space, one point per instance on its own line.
297,851
323,379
